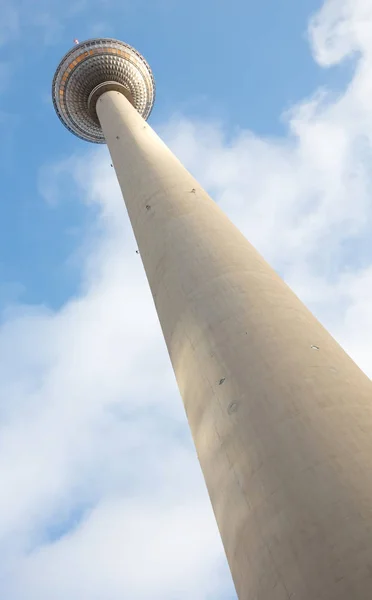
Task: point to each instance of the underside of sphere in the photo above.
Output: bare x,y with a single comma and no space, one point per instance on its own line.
90,64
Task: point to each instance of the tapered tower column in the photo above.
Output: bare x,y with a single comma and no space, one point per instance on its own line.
281,417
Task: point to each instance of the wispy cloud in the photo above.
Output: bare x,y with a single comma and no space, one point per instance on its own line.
305,200
92,425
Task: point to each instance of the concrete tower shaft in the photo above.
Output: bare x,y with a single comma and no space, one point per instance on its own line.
283,430
280,415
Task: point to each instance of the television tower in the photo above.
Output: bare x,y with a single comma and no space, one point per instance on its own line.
281,417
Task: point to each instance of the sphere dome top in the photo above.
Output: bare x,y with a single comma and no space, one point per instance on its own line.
94,66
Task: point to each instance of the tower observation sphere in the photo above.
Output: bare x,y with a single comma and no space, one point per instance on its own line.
280,416
89,69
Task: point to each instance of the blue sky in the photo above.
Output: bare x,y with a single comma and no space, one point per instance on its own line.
241,63
269,106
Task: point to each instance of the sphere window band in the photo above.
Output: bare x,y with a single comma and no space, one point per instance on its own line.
85,68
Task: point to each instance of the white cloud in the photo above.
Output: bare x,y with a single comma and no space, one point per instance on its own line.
341,28
104,497
305,200
92,428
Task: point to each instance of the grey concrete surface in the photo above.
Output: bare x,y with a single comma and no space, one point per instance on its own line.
281,417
